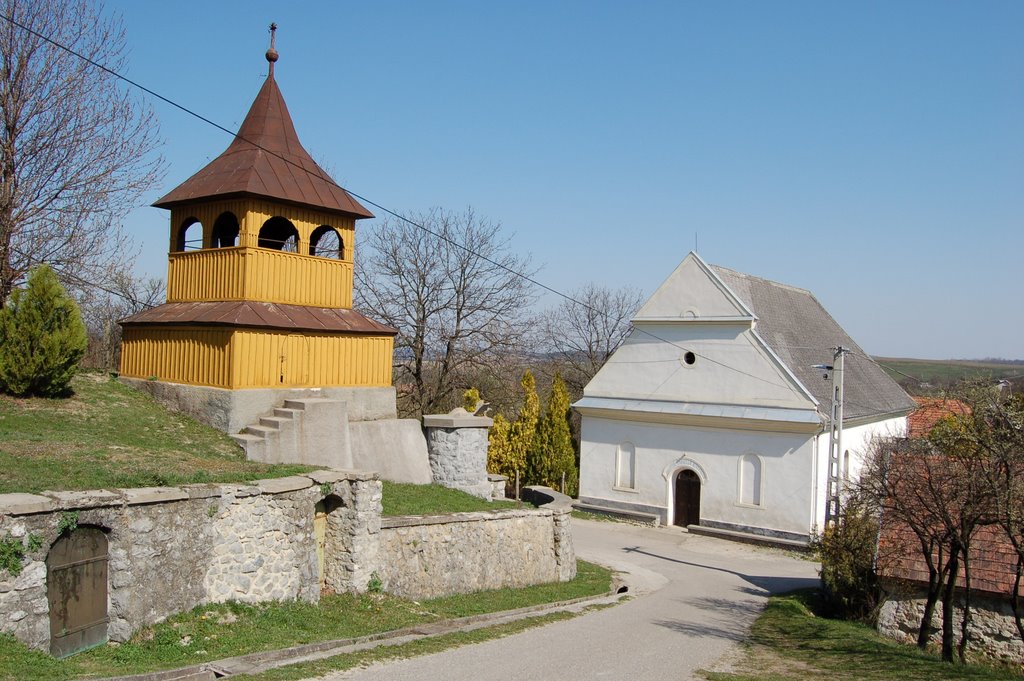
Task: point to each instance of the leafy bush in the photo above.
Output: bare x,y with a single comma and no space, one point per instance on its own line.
846,550
42,338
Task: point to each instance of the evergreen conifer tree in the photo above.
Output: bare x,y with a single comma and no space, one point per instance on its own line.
42,338
509,442
552,453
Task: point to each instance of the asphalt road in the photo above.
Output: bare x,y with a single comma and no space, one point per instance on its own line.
695,597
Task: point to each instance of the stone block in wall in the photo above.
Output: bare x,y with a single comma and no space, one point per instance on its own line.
457,447
171,549
425,557
498,485
992,631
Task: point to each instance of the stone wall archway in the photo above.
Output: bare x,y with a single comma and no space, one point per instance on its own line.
76,588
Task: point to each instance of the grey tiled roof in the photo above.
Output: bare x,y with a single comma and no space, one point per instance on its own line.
802,333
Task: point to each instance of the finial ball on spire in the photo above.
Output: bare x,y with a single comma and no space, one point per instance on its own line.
272,54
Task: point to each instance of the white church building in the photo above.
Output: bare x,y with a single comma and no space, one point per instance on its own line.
712,412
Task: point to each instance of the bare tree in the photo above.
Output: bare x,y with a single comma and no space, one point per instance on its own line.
76,149
991,434
585,331
944,490
460,300
102,309
891,482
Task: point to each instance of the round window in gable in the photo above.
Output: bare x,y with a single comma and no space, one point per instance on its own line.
689,358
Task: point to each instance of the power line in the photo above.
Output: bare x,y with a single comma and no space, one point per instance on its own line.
361,198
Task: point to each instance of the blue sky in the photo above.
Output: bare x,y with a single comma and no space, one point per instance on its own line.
872,152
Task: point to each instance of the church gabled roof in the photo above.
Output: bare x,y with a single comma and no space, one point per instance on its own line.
266,159
802,333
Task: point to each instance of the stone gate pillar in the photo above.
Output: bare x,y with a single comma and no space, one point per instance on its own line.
457,448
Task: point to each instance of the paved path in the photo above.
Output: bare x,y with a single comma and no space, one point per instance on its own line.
695,597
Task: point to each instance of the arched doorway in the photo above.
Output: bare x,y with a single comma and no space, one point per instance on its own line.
326,541
76,587
687,498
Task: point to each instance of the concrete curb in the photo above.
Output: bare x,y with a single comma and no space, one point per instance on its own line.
255,663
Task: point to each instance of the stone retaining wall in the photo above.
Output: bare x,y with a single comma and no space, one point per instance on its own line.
993,632
429,556
171,549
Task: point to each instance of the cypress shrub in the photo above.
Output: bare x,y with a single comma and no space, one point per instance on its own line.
42,338
552,453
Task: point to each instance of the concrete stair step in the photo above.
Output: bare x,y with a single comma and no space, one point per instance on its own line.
262,431
274,422
245,438
285,413
301,404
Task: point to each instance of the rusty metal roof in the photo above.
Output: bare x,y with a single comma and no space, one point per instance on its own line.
266,159
261,315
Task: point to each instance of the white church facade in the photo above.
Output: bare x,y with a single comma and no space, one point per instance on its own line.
712,412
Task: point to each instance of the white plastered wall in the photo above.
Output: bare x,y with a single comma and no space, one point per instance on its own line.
664,449
857,440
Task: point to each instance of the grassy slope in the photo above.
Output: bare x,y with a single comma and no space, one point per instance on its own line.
108,435
217,631
404,499
790,641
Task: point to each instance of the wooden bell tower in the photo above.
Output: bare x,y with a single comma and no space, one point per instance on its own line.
259,276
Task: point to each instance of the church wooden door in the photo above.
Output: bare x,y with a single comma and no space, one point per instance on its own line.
687,509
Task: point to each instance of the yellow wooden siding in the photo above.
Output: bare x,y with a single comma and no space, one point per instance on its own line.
308,359
260,274
246,272
192,355
248,358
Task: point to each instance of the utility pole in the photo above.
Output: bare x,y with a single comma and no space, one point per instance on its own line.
835,438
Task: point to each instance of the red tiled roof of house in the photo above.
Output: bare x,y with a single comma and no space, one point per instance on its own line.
922,482
993,558
930,411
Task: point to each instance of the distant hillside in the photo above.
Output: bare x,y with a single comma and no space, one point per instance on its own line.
922,376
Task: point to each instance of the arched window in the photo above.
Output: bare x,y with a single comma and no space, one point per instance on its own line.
325,242
225,230
280,234
625,466
750,480
190,235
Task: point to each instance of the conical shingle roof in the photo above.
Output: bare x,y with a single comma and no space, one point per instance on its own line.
267,160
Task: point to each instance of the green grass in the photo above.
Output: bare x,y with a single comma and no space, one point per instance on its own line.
217,631
404,499
791,641
109,435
